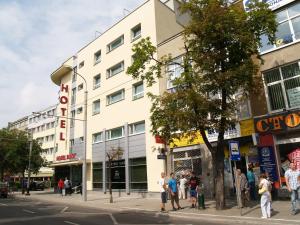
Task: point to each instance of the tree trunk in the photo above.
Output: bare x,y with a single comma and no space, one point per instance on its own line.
1,173
219,177
22,183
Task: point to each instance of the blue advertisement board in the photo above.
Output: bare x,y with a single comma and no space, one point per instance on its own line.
234,149
267,161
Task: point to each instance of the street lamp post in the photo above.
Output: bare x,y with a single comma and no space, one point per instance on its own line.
29,162
84,180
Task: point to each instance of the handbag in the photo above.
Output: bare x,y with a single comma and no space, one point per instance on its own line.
262,190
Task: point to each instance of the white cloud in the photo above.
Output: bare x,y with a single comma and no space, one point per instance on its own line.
36,37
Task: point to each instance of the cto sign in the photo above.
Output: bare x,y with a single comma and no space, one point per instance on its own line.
274,4
277,123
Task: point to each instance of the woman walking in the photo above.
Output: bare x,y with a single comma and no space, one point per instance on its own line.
265,200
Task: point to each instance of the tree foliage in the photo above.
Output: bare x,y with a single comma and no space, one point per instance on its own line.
221,46
14,153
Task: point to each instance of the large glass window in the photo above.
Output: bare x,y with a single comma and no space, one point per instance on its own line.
283,87
97,81
97,137
138,173
138,91
288,29
116,43
137,128
96,107
115,133
115,97
174,70
114,70
97,175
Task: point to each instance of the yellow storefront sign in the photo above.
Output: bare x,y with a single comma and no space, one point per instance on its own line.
247,127
187,140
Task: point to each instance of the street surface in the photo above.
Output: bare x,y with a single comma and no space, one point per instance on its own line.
32,212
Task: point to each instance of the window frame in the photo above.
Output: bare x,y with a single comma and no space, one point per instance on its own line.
79,110
97,57
175,66
109,73
108,134
95,86
109,47
80,87
283,89
81,64
94,135
287,20
136,96
96,112
132,129
132,31
108,97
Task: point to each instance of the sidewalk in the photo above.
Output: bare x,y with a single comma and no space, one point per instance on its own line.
97,199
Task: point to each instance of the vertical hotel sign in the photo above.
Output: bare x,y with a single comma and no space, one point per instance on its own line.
63,99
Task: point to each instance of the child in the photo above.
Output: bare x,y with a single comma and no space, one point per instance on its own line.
200,191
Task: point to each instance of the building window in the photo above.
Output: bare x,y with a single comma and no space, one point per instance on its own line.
114,44
283,87
97,57
97,81
174,70
81,64
80,87
79,110
72,122
48,126
138,173
115,133
81,139
115,97
97,137
137,90
114,70
52,124
136,32
96,107
137,128
97,175
73,98
74,76
288,29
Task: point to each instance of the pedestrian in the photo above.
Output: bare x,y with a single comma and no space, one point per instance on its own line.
163,194
173,189
68,186
292,177
241,188
182,185
265,199
193,189
251,182
200,192
61,186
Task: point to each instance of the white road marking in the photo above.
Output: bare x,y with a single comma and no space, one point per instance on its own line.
28,211
71,223
3,204
113,219
64,209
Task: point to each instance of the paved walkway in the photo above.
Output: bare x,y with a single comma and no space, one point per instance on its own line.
97,199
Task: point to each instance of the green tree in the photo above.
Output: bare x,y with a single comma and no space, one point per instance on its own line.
14,153
221,50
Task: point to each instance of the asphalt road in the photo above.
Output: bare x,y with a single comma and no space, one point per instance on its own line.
27,212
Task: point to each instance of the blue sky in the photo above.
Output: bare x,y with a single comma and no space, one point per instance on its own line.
36,37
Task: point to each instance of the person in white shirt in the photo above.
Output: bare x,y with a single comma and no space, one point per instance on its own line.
163,187
182,185
265,200
292,177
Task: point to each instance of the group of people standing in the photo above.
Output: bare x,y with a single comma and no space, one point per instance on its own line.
178,190
246,189
64,186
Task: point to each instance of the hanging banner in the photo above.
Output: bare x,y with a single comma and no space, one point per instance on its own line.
267,161
234,149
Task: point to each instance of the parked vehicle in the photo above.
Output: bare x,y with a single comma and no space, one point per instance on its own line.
37,186
3,189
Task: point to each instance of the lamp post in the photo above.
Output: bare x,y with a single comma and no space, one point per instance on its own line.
29,162
84,180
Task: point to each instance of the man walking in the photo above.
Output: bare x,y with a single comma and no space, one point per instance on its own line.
174,192
194,182
251,181
182,184
241,188
292,177
163,193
